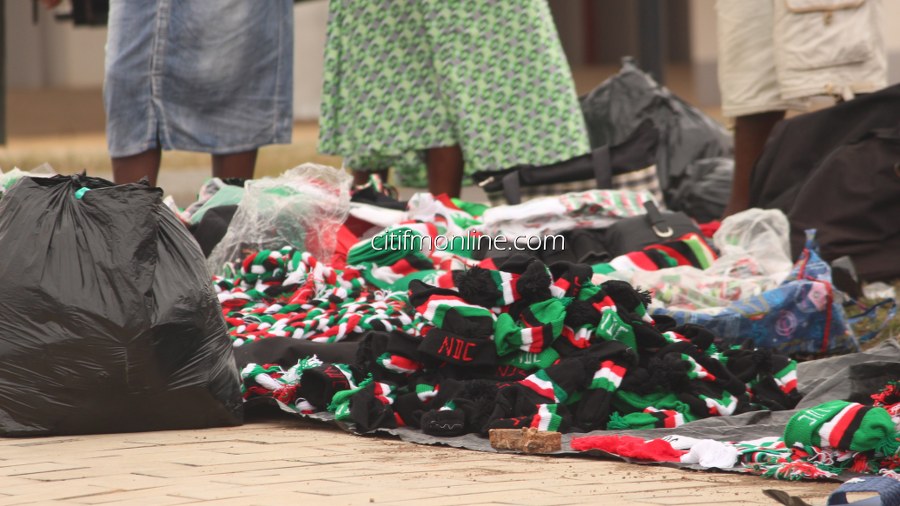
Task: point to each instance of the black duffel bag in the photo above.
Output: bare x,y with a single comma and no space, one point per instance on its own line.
630,165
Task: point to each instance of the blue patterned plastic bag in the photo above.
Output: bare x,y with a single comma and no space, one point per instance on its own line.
803,315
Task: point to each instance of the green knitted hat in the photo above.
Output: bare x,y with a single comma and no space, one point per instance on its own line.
613,328
629,402
651,418
540,324
845,426
655,410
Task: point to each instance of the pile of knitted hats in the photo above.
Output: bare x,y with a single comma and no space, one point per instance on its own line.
288,293
517,343
437,237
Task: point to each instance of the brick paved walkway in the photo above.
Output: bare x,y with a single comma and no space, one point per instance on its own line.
289,461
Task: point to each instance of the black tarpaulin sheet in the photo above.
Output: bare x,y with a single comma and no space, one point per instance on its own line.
852,377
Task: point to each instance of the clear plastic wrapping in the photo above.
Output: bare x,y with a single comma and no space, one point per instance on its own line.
302,208
754,257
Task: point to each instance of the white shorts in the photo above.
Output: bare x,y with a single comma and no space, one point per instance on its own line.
774,55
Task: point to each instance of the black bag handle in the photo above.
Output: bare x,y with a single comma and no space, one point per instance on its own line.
601,164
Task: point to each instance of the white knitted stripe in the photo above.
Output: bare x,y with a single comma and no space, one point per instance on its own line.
828,427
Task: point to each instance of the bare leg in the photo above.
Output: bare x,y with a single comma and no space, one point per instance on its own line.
750,134
361,177
445,170
237,165
130,169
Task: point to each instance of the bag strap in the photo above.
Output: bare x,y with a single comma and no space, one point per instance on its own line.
657,221
601,161
870,315
512,190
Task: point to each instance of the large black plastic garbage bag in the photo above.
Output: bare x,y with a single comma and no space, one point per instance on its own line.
613,110
108,321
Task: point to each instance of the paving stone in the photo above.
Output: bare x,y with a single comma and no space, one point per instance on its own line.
156,495
28,469
39,493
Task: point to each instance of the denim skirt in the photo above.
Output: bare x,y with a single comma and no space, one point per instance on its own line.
198,75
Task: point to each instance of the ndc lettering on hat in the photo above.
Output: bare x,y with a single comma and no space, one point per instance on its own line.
335,373
611,325
530,358
508,371
812,416
455,348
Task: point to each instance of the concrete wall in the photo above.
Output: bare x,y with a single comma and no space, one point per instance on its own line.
310,19
572,37
890,21
704,51
58,55
24,47
615,30
51,53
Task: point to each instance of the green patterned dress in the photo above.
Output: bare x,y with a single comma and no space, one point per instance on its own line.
402,76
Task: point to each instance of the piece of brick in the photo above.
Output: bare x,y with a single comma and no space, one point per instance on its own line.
527,440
